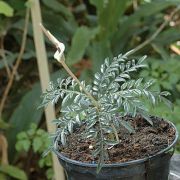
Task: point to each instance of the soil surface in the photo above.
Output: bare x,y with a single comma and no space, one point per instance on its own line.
147,141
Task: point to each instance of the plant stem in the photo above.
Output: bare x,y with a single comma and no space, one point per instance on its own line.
77,80
62,62
115,132
156,33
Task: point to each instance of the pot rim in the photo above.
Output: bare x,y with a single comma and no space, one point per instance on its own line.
132,162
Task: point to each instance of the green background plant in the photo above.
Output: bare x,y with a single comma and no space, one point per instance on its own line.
37,140
67,20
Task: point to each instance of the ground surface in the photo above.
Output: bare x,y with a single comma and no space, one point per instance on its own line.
175,168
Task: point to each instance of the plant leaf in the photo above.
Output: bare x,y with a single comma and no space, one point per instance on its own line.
37,143
13,171
6,9
58,7
80,42
127,126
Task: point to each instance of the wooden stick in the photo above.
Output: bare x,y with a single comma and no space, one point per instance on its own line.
44,76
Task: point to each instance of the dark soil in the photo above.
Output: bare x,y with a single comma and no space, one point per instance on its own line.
147,141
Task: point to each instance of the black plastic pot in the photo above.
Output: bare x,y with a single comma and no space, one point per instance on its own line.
155,167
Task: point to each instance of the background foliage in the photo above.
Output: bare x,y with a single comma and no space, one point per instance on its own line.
91,30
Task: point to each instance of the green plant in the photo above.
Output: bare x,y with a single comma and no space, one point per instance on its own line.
13,172
102,106
166,73
37,140
7,170
6,9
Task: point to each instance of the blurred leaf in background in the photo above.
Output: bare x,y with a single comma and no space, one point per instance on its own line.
11,171
80,42
36,140
6,9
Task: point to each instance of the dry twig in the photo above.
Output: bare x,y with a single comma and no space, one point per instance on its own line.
175,49
3,150
15,67
156,33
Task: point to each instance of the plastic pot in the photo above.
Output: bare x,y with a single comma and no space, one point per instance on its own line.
155,167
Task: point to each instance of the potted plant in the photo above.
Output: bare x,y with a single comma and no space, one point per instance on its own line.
104,130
